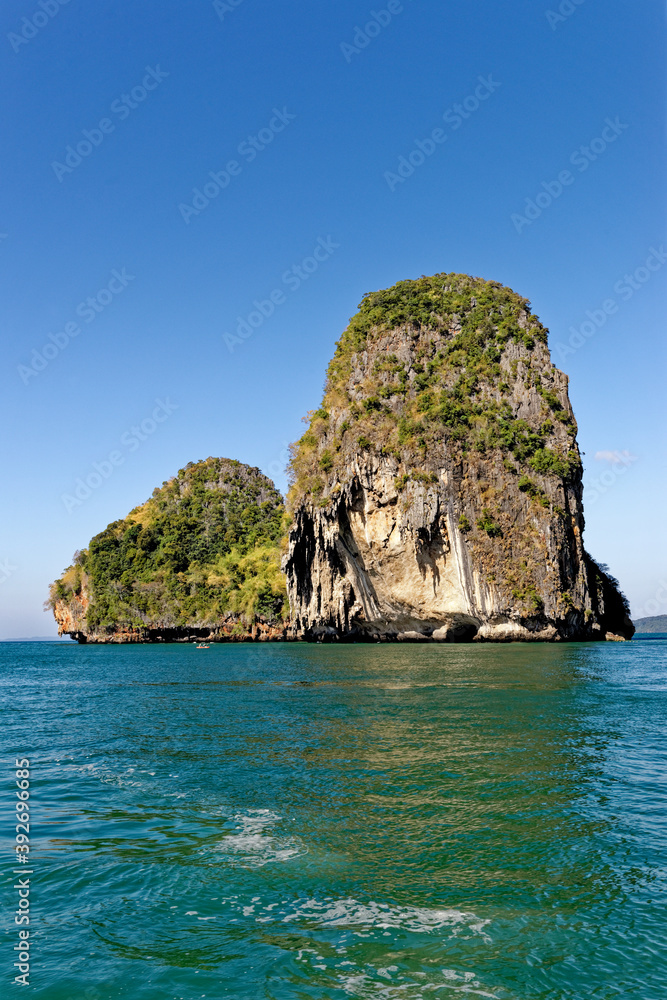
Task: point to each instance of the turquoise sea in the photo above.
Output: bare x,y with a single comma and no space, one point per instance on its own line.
329,822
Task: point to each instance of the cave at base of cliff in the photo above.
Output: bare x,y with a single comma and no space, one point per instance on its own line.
458,628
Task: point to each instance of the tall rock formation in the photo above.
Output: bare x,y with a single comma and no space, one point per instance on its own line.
437,491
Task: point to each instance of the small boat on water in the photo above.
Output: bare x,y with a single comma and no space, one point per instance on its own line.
203,645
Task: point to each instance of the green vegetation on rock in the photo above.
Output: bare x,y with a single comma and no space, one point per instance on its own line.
457,387
204,546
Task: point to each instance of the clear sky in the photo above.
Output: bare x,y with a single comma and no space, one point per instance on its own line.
167,165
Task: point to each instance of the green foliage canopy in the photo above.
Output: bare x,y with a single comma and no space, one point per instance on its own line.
206,544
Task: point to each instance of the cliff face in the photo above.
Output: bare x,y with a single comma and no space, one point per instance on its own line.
199,560
437,492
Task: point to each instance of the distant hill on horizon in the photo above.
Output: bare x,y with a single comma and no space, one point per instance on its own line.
35,638
657,623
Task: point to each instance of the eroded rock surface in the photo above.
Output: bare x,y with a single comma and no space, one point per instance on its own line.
437,492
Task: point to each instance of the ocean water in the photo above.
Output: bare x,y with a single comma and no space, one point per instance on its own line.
296,821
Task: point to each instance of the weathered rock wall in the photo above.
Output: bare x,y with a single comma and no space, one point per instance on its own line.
378,564
443,531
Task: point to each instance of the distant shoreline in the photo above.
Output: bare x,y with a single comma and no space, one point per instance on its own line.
37,638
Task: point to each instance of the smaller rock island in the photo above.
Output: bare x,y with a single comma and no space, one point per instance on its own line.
199,560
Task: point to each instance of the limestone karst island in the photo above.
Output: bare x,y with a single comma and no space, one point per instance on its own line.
436,496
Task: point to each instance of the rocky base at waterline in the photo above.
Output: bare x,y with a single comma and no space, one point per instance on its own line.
232,631
457,628
437,491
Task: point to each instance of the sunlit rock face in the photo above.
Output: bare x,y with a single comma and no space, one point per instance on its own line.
437,491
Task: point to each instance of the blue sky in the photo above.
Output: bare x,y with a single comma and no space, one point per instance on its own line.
135,266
